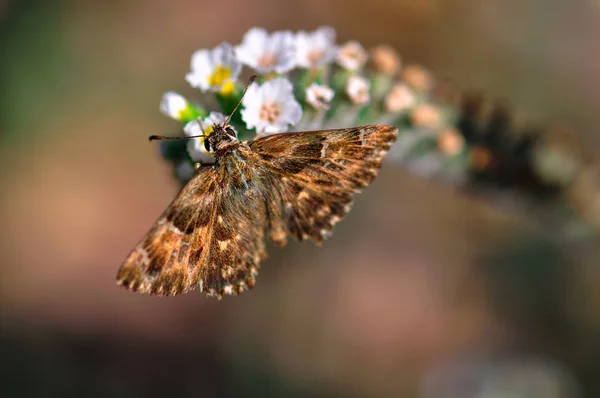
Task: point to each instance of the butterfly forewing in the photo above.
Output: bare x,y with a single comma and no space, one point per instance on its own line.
212,234
315,174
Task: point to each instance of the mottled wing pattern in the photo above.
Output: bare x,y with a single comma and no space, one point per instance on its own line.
312,176
210,236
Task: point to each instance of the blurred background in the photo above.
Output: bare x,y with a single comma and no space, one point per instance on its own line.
421,292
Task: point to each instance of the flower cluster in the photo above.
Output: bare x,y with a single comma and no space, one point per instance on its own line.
307,81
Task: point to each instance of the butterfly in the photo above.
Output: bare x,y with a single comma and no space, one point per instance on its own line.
298,184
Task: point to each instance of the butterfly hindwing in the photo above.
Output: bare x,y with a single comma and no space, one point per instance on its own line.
210,236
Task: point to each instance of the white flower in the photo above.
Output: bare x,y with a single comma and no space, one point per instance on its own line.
400,98
215,70
268,53
195,146
174,105
352,56
319,96
271,108
316,48
357,89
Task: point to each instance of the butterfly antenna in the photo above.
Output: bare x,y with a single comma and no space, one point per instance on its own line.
252,78
163,137
199,120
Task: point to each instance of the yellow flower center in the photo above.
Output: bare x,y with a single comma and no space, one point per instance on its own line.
219,76
228,87
208,130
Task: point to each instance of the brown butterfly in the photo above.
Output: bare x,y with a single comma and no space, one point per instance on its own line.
212,235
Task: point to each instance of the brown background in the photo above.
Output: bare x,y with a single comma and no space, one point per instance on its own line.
417,276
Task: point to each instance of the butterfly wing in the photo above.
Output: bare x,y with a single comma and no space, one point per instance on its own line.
211,236
315,174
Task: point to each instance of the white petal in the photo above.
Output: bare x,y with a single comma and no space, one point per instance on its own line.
221,54
201,60
253,96
279,89
201,66
172,104
292,112
284,45
281,40
269,128
325,34
252,47
317,48
267,53
192,128
251,103
230,60
286,64
250,117
212,118
255,41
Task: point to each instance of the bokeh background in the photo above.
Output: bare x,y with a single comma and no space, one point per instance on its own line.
422,291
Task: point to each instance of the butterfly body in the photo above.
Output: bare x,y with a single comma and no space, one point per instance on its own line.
212,235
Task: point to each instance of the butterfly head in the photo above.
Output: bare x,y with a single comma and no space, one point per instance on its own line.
220,138
222,134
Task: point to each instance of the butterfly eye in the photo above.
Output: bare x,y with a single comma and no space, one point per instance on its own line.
206,145
230,131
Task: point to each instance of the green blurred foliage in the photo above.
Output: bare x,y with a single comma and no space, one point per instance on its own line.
36,70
